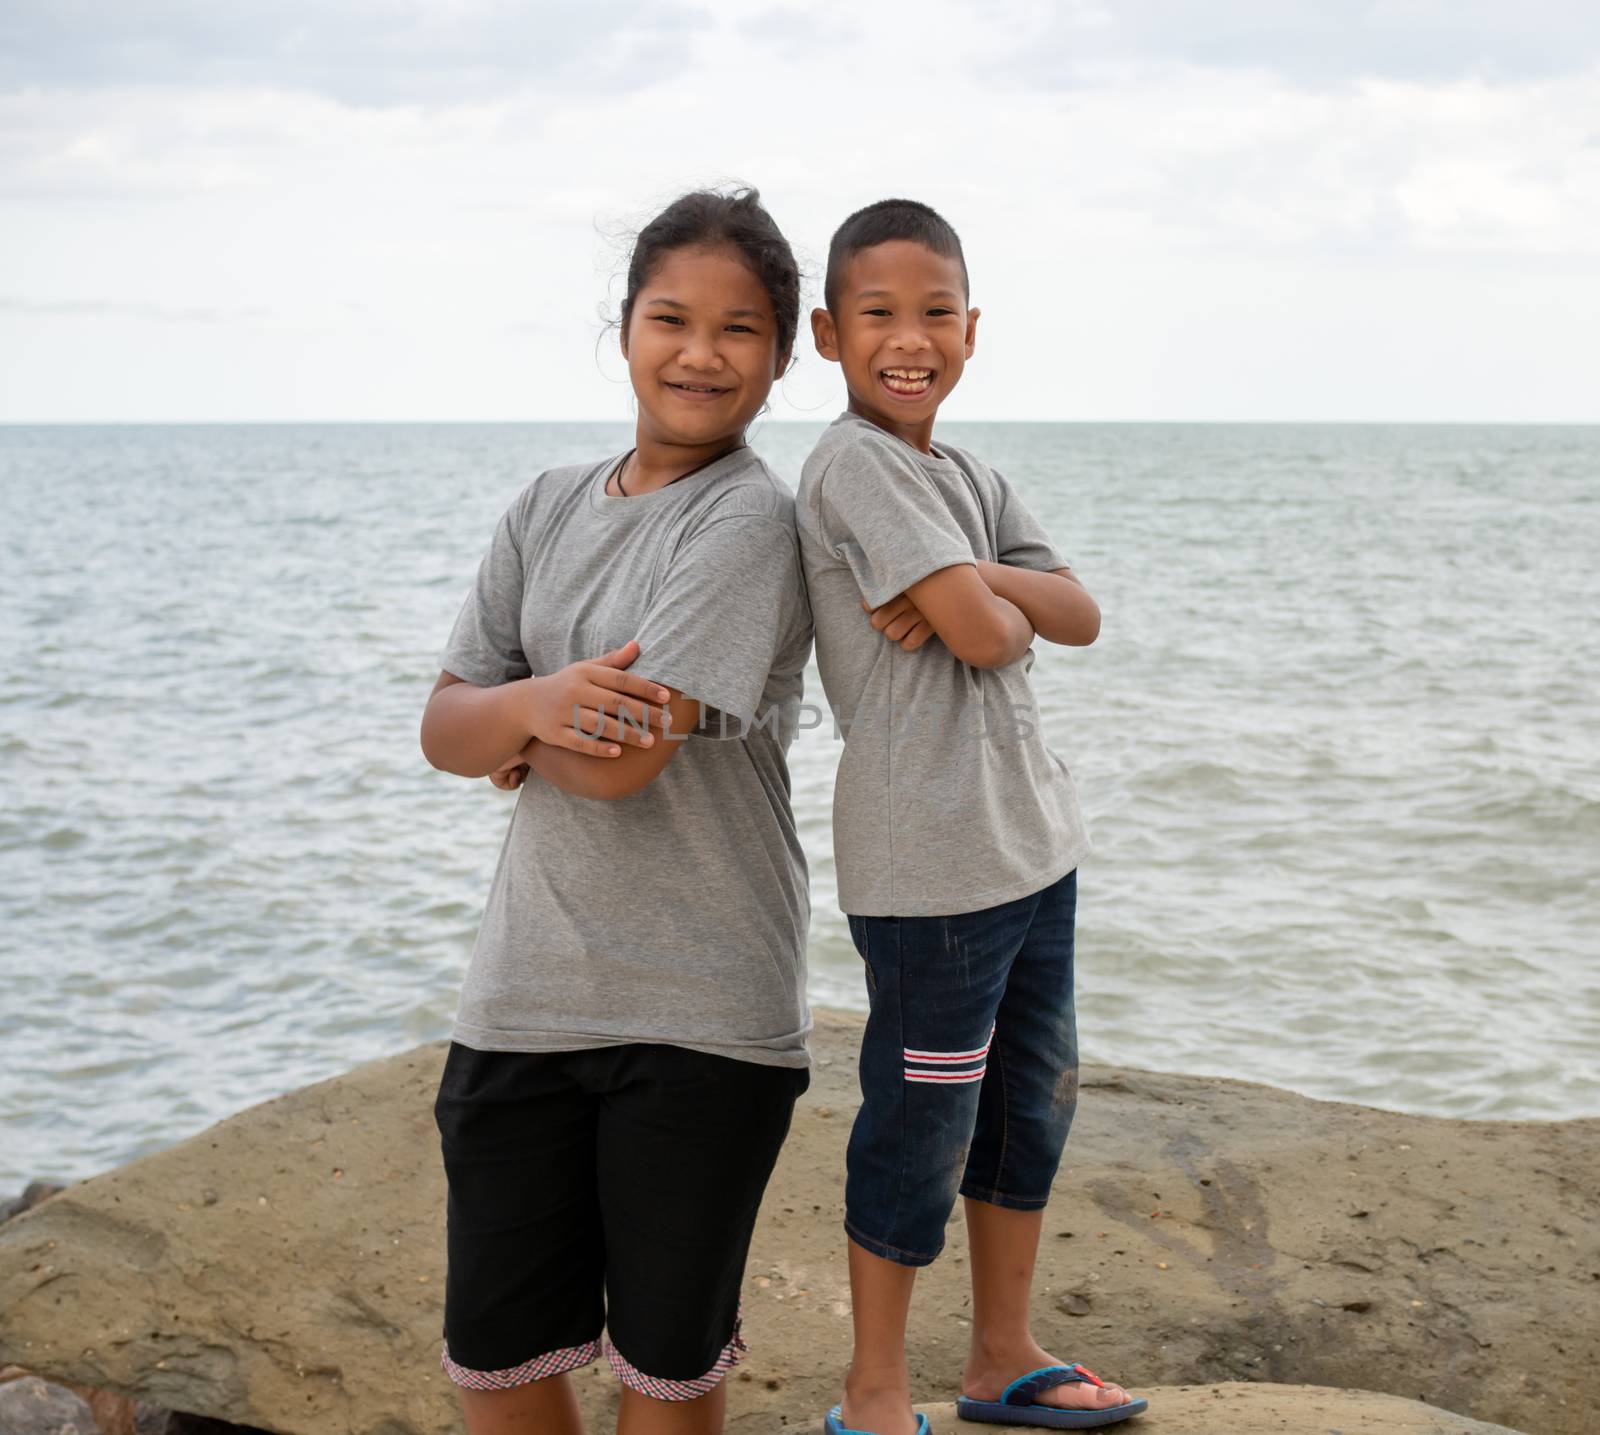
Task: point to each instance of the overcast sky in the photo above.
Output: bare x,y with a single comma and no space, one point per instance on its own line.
382,209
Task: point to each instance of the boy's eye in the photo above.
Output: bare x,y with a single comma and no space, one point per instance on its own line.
877,313
940,312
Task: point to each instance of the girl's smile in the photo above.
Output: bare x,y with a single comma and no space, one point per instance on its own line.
696,393
702,351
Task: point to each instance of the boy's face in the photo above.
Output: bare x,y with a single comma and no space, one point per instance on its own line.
901,331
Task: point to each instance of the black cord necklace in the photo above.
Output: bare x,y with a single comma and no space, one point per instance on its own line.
696,469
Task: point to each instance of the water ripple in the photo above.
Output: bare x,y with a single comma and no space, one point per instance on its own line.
1335,744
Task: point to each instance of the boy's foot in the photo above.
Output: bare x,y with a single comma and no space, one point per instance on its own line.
881,1408
986,1377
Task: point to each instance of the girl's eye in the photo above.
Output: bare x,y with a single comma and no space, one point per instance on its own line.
741,329
669,318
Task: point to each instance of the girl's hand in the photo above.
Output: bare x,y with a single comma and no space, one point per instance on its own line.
581,706
901,621
508,776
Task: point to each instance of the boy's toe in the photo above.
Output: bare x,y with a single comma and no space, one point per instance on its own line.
1083,1396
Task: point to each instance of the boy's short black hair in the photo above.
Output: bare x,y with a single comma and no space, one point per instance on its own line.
878,224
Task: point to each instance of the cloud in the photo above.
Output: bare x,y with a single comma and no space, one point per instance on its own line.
123,309
801,29
1062,43
365,52
1200,217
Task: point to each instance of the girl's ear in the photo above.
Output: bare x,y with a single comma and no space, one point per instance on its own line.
784,360
824,335
972,329
622,336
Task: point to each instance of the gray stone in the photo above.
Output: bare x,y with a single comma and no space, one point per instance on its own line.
32,1194
31,1406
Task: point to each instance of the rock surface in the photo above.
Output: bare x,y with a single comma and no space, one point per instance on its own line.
109,1413
32,1195
1239,1409
30,1406
284,1269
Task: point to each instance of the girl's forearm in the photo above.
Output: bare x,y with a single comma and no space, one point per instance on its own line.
579,773
471,731
1059,607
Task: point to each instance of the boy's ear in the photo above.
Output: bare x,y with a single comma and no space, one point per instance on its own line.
825,335
972,329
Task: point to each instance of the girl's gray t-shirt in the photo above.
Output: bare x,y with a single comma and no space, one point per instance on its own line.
947,798
677,914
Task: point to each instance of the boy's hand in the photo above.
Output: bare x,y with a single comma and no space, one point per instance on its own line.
591,695
901,621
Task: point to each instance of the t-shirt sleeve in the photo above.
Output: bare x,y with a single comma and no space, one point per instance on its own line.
721,611
888,521
485,646
1020,539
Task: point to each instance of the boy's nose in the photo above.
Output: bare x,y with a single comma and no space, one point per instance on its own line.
913,342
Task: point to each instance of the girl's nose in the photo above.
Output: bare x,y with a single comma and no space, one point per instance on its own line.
699,353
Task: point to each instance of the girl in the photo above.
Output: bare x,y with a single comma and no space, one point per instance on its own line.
631,1035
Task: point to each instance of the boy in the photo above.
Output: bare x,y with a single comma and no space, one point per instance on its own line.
957,834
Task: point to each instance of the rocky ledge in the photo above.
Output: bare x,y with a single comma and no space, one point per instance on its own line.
1246,1258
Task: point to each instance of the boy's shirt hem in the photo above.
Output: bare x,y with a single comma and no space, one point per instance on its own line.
955,906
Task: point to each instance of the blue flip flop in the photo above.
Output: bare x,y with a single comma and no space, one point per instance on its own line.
1016,1403
833,1424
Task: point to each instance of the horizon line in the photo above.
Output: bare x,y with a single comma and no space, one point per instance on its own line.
800,422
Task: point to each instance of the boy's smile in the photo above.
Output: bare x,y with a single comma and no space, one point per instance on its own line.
902,333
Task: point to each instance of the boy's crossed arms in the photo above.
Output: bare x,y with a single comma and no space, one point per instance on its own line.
988,614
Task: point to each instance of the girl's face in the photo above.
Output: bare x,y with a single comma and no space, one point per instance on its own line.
701,346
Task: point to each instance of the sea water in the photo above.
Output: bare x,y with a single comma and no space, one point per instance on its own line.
1337,747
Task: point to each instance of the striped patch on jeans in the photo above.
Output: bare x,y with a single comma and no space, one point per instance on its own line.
948,1068
541,1367
657,1389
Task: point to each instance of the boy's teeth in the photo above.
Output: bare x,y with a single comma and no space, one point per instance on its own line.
908,381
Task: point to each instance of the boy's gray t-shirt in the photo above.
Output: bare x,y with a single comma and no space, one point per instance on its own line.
677,914
946,799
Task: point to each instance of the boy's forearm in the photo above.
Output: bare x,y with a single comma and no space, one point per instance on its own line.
1018,632
471,731
1059,607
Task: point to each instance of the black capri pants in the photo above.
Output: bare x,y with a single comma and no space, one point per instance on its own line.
607,1193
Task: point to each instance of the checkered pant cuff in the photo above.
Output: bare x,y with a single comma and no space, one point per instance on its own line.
541,1367
657,1389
